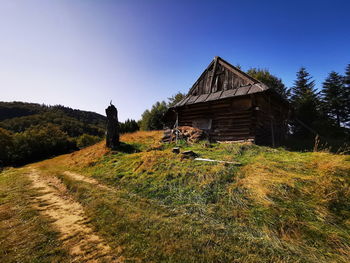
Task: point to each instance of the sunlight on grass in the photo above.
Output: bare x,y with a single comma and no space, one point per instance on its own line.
278,206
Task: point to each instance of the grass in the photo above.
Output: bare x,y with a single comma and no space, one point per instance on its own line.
278,206
24,235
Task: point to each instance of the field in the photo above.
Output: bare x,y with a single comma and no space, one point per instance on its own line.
144,203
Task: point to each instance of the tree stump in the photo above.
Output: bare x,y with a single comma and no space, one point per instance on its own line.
112,136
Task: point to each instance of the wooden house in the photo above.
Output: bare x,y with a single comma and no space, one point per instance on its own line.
230,105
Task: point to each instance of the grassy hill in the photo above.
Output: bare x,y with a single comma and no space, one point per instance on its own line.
151,205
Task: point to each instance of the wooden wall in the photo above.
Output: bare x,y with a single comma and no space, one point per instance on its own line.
249,117
218,77
271,120
231,119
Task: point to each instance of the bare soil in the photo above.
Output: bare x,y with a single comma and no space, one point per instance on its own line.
69,219
89,180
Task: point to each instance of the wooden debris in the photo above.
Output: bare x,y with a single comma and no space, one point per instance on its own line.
187,133
217,161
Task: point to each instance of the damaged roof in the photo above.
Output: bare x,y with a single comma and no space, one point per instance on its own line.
221,80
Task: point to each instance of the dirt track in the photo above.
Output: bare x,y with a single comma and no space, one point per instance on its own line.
69,219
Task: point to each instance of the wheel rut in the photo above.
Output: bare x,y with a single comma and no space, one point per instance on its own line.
70,220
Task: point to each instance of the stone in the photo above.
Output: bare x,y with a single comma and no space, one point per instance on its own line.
189,154
176,150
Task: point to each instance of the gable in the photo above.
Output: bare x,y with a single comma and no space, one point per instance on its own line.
219,76
221,80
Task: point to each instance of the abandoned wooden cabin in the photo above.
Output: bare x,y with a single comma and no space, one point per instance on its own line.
230,105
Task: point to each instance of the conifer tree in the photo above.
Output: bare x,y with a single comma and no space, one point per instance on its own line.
305,101
334,98
347,94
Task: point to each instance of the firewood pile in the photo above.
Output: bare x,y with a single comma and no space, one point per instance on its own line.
187,133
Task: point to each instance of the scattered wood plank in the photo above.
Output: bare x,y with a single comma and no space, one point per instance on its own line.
217,161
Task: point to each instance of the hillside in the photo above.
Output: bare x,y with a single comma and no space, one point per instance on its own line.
30,131
18,116
147,204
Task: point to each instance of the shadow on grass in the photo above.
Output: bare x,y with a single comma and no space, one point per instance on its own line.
332,145
128,148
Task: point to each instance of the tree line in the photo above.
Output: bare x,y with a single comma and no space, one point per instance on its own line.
31,132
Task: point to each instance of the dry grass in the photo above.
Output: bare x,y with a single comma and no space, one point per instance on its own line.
90,155
279,206
260,175
151,138
87,156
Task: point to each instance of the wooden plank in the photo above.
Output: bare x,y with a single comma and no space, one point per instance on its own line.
213,76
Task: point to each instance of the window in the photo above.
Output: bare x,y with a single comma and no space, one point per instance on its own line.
203,124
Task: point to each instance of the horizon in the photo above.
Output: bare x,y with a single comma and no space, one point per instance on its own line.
83,54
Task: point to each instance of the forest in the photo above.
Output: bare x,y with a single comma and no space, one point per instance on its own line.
31,132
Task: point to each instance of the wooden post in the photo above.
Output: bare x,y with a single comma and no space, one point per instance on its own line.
112,136
271,123
176,125
272,133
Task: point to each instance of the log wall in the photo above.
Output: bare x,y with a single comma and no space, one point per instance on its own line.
230,119
257,117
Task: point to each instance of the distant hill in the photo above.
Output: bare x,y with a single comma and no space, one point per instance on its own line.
18,116
31,131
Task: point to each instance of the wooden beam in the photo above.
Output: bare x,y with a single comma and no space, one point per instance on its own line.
213,76
271,123
201,76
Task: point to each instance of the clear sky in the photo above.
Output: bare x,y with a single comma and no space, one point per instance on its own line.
83,53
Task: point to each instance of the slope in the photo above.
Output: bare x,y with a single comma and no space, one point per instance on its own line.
151,205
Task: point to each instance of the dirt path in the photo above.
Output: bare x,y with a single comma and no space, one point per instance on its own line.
89,180
70,220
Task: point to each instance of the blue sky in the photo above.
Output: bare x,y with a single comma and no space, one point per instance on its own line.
83,53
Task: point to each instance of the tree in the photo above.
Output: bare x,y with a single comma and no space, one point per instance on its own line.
40,142
334,98
305,101
86,140
270,80
6,145
347,93
175,99
153,119
128,126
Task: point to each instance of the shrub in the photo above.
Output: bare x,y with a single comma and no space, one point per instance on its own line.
40,142
6,142
87,140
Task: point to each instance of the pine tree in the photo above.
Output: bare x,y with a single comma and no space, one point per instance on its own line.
347,94
305,101
334,98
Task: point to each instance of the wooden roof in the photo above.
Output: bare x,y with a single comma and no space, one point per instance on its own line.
221,80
